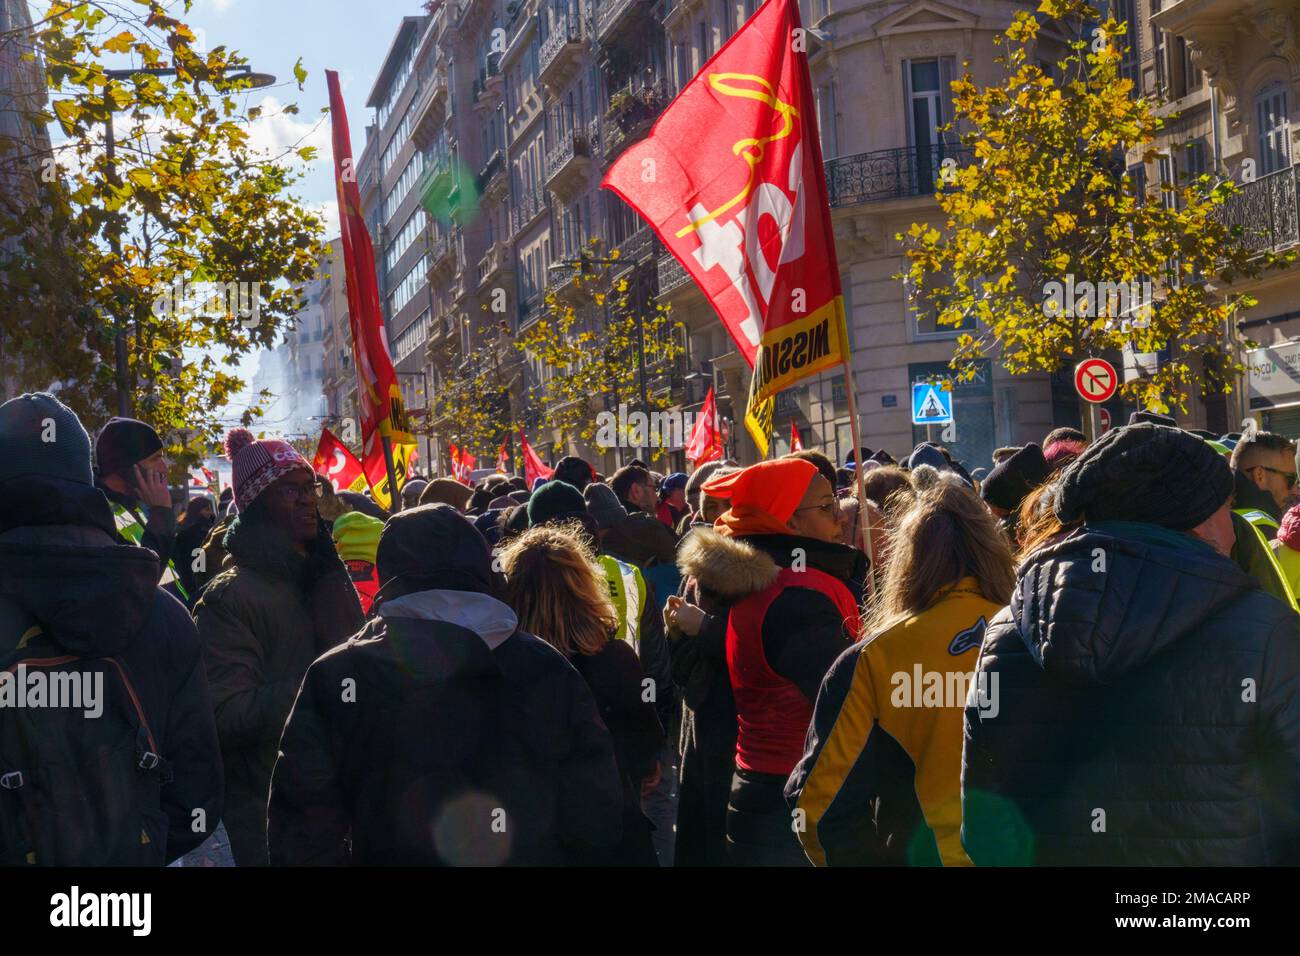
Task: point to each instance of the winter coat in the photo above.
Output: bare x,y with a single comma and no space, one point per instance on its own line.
159,527
190,537
614,675
640,539
803,632
1144,710
879,782
463,741
63,567
262,622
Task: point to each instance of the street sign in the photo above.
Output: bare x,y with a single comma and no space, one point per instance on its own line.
1105,419
931,405
1095,380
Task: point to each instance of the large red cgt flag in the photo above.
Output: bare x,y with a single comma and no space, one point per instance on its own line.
383,413
337,463
731,180
706,438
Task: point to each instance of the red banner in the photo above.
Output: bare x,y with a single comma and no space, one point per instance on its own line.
462,463
796,443
731,181
337,463
706,438
378,395
533,466
503,461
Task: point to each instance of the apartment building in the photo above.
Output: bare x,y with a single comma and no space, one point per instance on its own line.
510,113
1228,72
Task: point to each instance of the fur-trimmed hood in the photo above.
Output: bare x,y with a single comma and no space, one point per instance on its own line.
727,567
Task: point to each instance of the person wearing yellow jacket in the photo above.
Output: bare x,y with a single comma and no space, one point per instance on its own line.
880,778
1286,548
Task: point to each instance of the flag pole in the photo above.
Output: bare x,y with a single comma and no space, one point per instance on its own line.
864,510
394,499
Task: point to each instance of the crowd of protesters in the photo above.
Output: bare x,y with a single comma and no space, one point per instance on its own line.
1085,653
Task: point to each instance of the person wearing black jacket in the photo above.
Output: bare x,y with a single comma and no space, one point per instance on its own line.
463,740
557,589
1140,701
781,534
67,582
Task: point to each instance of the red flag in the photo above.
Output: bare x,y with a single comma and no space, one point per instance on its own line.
533,467
337,463
706,438
738,195
503,461
462,463
378,395
796,444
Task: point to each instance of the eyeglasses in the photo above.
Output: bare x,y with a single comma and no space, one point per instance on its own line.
1290,476
829,507
295,493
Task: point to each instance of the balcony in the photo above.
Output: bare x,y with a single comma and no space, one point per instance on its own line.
561,55
888,173
567,163
632,111
491,179
636,249
672,275
615,16
495,265
431,109
526,209
1264,212
435,182
442,256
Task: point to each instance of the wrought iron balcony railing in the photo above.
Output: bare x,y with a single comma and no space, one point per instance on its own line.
570,143
527,207
1265,211
671,273
889,173
568,30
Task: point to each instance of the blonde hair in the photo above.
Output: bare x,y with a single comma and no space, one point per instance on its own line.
557,589
947,534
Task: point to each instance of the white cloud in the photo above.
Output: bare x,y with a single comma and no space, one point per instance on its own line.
275,131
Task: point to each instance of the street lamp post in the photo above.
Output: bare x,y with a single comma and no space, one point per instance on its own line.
257,81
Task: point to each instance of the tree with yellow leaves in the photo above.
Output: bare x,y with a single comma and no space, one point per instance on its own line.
589,343
1047,244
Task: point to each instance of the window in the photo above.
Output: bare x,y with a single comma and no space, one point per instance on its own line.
1191,74
1138,174
1193,159
928,89
826,119
1273,128
727,18
703,35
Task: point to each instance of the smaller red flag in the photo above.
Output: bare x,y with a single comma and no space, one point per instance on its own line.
462,463
533,467
796,444
706,438
503,461
337,463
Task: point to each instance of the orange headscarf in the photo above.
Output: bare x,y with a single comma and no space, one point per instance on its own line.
763,496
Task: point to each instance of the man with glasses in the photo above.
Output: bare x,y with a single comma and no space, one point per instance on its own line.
284,599
1264,479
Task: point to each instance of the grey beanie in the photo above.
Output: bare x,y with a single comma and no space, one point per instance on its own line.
41,436
603,505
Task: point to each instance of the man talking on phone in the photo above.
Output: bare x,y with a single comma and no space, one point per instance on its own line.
132,473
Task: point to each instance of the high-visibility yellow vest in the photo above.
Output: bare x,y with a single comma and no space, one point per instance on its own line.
1261,519
129,527
628,593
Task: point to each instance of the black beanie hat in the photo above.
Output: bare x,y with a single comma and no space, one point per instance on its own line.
1152,418
575,471
1012,479
122,443
1146,473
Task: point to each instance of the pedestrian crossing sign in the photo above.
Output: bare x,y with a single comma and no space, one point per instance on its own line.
931,405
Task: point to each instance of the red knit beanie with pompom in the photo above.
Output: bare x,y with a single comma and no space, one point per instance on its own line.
257,464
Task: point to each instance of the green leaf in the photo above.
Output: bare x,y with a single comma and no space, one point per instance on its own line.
299,73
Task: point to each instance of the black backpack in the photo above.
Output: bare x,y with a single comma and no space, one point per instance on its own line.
75,789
